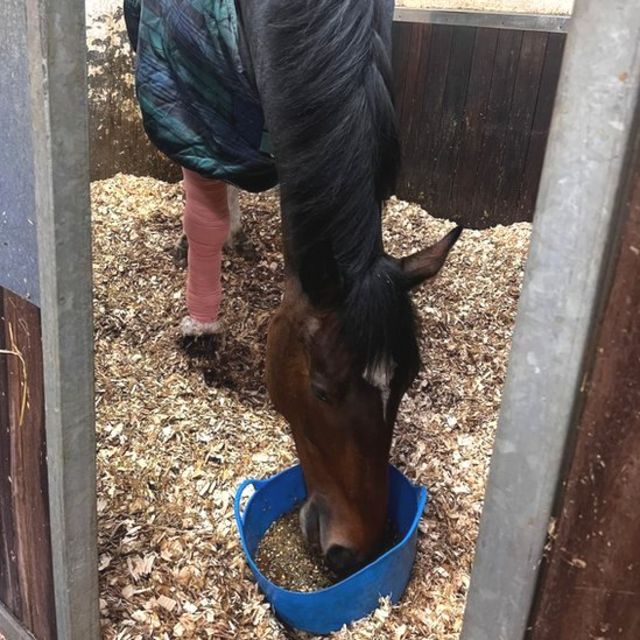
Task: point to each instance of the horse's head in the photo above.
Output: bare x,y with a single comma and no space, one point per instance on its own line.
342,415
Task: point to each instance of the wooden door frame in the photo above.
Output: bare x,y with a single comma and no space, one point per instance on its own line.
485,19
57,29
56,52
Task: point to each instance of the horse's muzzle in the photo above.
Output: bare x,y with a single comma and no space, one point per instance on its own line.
339,559
310,522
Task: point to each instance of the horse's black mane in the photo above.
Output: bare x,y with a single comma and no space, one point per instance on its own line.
332,119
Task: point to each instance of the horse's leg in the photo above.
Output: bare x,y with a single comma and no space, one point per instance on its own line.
233,199
237,241
206,224
181,251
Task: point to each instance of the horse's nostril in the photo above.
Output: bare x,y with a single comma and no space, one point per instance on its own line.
341,560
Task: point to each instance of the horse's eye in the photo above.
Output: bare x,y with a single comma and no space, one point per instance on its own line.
319,393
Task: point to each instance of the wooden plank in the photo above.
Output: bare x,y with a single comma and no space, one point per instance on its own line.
401,35
9,582
25,386
429,113
491,156
10,627
408,51
474,119
485,19
410,58
591,585
520,123
450,134
545,102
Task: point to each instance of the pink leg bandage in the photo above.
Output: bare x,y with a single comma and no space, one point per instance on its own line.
206,224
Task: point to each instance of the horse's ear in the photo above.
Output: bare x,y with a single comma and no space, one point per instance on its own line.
425,264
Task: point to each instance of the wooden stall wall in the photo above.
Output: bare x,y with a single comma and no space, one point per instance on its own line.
26,578
590,584
474,107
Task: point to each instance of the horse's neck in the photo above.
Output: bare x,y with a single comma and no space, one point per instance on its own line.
325,93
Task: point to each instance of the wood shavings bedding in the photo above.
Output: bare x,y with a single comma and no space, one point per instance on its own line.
177,435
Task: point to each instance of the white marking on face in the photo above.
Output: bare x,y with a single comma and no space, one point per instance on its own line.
313,325
380,377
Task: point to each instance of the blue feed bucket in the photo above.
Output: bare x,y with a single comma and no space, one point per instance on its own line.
328,609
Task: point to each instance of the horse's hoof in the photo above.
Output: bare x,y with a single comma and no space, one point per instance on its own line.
240,244
181,252
191,328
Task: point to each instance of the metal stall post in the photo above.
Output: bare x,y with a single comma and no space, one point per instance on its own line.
576,226
48,553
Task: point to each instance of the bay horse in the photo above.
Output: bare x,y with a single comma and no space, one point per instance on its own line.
342,347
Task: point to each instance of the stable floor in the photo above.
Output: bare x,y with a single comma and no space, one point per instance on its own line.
176,434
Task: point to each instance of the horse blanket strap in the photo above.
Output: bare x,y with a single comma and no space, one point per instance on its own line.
198,104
